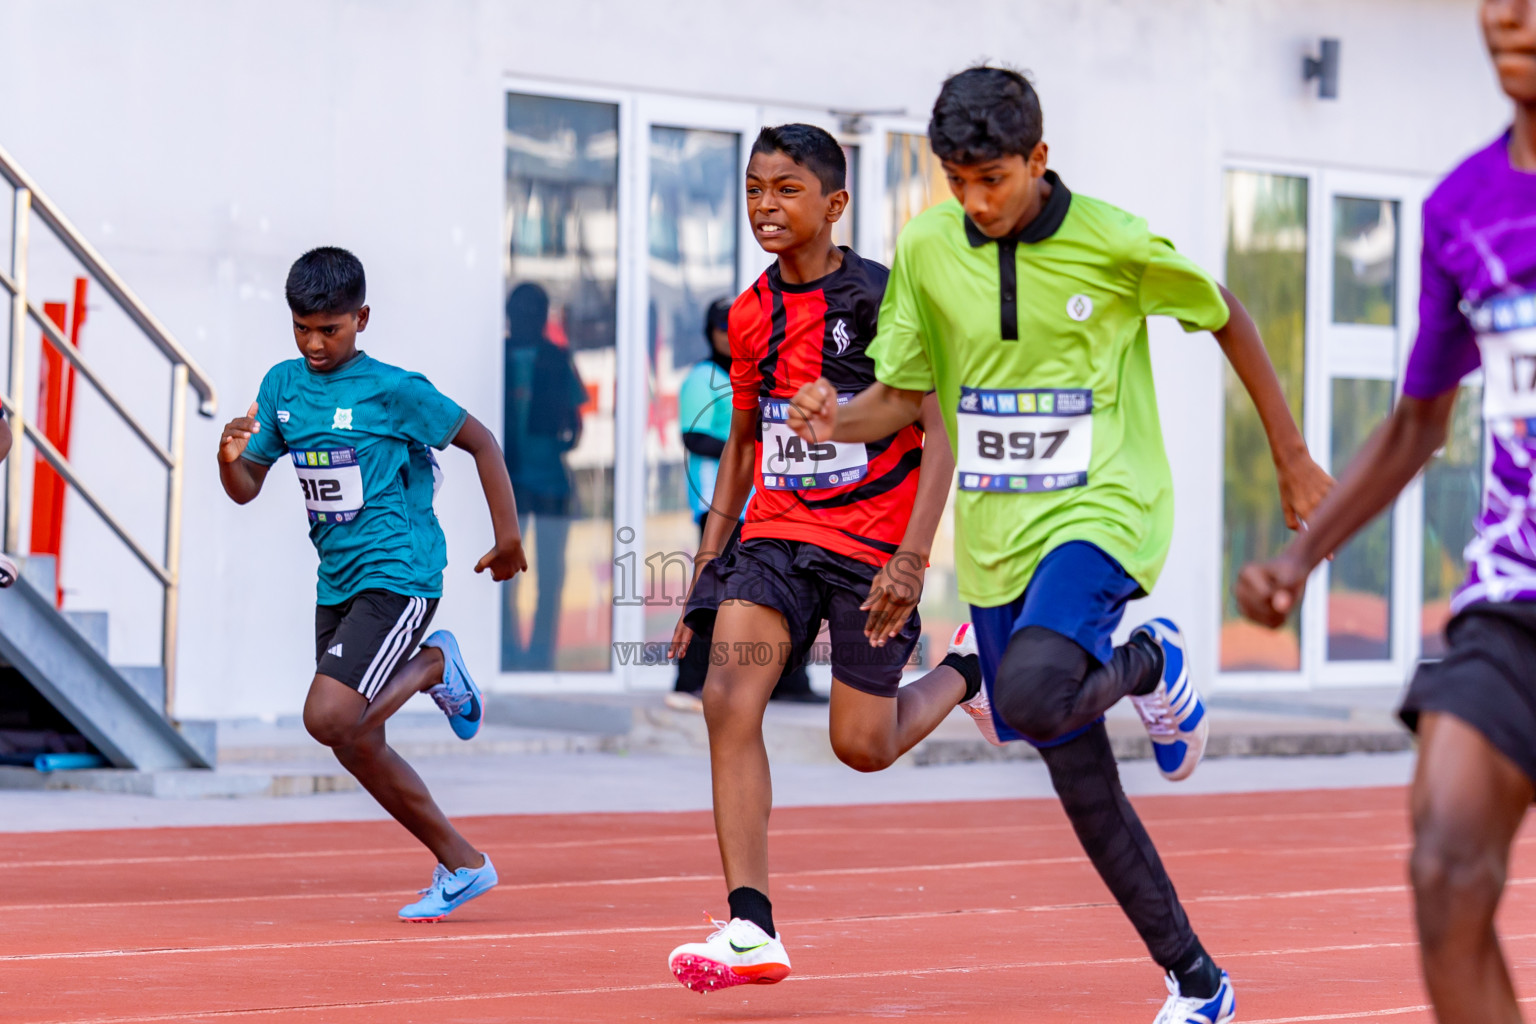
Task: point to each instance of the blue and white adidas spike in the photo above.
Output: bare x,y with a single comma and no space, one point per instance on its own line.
1182,1009
457,695
1173,713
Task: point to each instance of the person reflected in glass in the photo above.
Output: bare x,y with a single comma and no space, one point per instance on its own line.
544,396
704,417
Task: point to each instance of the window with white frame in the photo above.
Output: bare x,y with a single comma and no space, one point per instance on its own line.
1320,258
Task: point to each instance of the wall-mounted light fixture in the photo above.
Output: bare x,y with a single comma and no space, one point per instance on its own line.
1324,68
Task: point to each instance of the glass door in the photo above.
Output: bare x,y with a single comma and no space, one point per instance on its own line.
624,222
1326,263
689,250
1364,608
1267,243
561,300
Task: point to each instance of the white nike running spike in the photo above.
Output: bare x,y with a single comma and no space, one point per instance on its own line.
738,953
978,707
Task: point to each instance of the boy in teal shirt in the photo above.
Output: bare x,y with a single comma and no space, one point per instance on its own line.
359,435
704,410
1024,307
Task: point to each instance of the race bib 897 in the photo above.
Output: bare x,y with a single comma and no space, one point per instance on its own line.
1024,441
332,483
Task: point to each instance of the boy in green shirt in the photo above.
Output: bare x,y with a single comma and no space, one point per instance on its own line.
1024,307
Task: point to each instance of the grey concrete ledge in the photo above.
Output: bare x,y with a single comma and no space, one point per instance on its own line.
182,784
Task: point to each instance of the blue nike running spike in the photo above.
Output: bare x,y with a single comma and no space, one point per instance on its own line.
449,891
457,694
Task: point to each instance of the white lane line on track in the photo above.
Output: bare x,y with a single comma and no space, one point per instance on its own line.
1394,1011
482,937
709,837
1049,908
1033,862
1360,1014
794,978
665,879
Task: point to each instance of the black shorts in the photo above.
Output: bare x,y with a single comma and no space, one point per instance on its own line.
807,584
1487,679
365,638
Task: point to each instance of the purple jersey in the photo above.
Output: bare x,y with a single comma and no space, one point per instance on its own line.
1477,306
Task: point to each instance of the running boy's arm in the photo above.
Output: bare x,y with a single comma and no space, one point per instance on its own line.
896,589
1394,454
1302,482
733,482
876,412
242,478
5,437
506,558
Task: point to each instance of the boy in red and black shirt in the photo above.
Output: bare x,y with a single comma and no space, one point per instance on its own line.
835,532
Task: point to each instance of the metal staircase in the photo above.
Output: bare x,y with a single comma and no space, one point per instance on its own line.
113,707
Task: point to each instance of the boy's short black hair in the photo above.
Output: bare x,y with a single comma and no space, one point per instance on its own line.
326,280
810,147
984,113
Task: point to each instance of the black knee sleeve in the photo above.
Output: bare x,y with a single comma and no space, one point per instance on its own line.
1037,681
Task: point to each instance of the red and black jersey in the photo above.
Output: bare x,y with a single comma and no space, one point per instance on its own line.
784,336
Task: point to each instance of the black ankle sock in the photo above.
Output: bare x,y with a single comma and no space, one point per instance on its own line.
969,666
1155,649
751,905
1197,974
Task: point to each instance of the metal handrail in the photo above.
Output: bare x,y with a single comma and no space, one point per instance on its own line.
67,349
61,465
82,250
185,374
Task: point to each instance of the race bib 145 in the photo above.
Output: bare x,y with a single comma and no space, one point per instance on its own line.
793,464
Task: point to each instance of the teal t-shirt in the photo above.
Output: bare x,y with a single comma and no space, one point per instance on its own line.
358,439
704,407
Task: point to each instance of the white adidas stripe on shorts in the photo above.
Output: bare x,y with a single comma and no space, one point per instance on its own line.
395,644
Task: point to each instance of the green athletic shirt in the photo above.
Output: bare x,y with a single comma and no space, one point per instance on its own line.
1067,336
358,438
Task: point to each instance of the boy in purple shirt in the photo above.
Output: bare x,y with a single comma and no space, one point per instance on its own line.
1475,711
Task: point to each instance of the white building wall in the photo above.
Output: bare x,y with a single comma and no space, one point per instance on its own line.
203,146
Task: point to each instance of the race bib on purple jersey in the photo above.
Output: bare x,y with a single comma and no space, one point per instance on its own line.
1502,557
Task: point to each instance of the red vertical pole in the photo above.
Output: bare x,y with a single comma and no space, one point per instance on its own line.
76,321
56,410
47,487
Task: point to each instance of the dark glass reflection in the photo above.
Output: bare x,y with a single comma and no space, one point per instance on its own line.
562,176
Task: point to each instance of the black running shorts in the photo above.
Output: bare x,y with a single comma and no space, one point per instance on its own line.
807,584
365,638
1485,679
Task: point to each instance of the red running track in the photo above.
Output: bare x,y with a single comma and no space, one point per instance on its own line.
970,911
